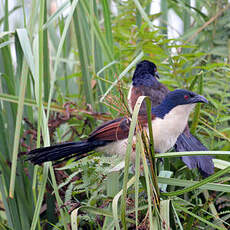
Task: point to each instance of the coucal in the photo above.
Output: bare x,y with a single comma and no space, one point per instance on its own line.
145,83
168,122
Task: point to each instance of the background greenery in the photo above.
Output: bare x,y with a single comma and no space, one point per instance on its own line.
65,69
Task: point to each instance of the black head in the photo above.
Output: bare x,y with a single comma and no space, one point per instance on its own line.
178,97
145,73
145,66
183,97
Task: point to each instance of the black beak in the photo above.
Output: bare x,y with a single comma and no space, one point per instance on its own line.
198,99
157,75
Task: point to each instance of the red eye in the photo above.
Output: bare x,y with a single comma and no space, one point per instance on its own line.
186,97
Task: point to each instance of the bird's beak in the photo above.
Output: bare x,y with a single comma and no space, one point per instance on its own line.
199,98
157,75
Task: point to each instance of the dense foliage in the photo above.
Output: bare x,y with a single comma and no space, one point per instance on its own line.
65,69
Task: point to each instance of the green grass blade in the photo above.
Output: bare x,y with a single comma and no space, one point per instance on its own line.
197,185
192,153
127,158
152,221
26,48
143,14
59,201
165,212
177,218
60,46
137,175
164,16
18,127
40,196
55,16
46,60
83,45
186,183
107,23
199,218
7,43
115,203
98,33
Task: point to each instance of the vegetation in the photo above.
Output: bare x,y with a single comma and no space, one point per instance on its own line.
71,72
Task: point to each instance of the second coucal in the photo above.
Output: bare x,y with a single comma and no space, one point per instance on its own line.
145,83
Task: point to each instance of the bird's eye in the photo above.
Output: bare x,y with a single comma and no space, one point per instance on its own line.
186,97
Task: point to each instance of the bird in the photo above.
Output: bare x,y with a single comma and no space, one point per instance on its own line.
169,119
145,83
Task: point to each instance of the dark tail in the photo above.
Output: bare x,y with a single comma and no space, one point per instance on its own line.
64,151
187,142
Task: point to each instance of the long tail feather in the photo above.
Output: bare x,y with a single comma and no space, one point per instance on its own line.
64,151
187,142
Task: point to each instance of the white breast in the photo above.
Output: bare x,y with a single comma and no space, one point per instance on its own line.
117,147
165,132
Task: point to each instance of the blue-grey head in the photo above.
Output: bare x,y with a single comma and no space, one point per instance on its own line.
176,98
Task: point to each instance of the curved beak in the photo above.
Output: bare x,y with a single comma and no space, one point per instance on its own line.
199,99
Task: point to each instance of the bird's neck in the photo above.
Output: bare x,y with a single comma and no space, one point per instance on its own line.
146,79
161,110
169,109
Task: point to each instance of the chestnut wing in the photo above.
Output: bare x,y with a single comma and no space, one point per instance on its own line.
117,129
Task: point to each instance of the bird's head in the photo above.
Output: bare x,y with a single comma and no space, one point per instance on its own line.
183,97
145,74
179,99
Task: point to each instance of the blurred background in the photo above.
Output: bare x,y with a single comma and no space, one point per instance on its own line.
66,67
